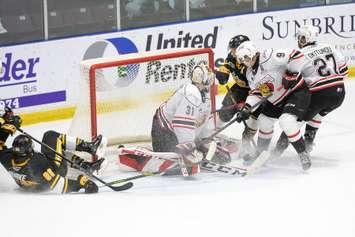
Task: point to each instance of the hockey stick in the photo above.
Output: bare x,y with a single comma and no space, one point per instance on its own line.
230,95
237,106
114,188
143,175
235,119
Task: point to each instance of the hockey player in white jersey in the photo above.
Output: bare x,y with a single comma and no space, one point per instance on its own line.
324,69
178,124
268,77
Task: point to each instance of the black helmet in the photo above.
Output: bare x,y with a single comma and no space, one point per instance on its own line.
237,40
22,146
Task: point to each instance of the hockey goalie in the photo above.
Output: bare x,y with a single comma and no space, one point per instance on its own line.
179,128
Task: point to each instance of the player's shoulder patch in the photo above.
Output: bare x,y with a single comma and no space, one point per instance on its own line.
192,94
295,54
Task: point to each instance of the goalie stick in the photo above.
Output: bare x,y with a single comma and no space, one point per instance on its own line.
114,188
211,166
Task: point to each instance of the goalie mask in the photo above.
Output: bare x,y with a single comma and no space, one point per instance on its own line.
306,35
22,146
246,53
202,77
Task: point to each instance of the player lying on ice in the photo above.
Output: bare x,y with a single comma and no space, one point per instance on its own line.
179,126
45,171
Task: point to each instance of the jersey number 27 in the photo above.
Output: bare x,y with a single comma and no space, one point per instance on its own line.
322,65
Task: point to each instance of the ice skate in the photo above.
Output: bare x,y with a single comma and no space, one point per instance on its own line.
305,160
96,147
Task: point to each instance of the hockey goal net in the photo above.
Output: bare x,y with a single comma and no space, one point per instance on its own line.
119,96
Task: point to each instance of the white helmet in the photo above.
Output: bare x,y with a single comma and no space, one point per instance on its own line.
202,76
306,34
245,53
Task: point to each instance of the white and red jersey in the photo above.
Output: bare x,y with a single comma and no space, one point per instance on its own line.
187,113
322,66
270,69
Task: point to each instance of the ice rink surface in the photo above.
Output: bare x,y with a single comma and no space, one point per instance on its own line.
279,201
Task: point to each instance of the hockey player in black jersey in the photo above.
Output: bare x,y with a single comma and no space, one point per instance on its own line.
238,93
45,171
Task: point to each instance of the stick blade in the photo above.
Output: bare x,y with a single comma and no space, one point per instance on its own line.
122,187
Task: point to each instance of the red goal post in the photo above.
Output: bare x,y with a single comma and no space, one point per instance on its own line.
114,81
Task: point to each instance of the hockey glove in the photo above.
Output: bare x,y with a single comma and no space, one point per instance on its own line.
244,114
11,125
221,155
222,77
10,118
189,152
15,120
88,185
190,158
290,79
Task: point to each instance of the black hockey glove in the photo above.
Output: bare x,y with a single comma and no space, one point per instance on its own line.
244,114
222,77
15,120
88,185
10,118
290,79
6,112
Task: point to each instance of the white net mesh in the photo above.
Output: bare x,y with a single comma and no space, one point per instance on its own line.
128,90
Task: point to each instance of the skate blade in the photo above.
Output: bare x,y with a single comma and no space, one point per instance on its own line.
258,163
100,152
103,167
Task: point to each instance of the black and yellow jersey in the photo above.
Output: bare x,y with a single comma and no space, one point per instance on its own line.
35,173
232,67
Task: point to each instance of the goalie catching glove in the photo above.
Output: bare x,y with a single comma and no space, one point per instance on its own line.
221,155
190,158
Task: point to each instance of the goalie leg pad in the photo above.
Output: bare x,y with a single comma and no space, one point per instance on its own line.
144,160
144,164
